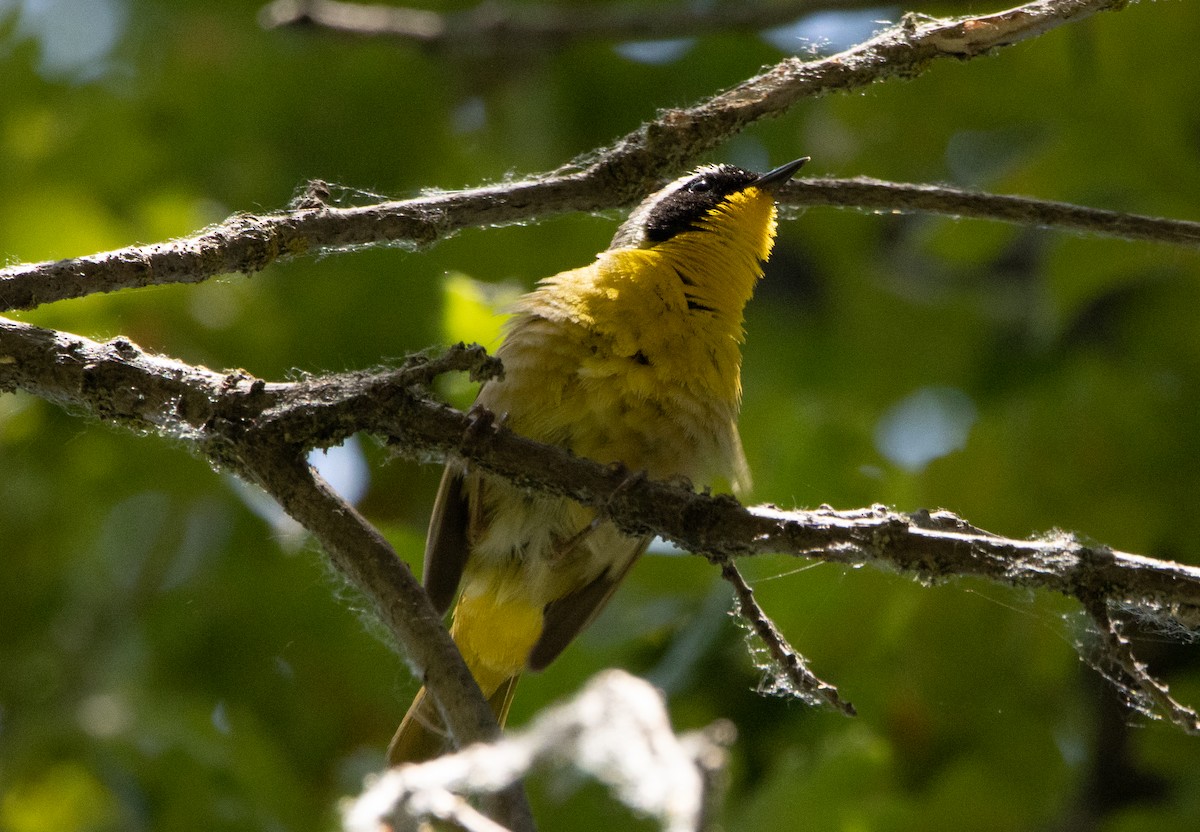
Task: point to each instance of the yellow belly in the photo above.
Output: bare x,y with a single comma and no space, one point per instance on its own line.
495,633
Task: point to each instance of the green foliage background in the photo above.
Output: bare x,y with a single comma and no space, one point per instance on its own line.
170,660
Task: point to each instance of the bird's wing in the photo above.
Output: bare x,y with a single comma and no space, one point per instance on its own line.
566,616
447,546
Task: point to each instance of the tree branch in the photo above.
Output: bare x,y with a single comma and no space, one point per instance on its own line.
613,177
361,554
1116,662
787,672
232,418
261,431
869,194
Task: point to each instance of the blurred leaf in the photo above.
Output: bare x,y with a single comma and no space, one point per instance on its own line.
63,798
472,311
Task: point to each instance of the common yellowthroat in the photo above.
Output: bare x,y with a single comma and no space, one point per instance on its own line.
635,358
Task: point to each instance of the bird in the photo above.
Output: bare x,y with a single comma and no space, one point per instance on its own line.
634,359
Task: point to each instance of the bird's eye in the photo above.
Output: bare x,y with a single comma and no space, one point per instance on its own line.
700,185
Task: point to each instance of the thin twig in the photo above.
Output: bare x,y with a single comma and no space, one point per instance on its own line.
800,680
876,195
1131,676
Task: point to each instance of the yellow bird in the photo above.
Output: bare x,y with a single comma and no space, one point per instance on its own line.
635,358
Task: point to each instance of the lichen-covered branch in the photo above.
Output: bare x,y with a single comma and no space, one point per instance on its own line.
232,418
786,671
868,194
608,178
261,432
1115,661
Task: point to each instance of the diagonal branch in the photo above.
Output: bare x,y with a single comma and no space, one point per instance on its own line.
232,417
787,671
1130,676
615,176
221,415
360,553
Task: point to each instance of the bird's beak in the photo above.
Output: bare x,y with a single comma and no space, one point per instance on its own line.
779,177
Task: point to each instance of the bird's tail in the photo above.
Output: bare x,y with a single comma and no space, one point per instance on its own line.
422,734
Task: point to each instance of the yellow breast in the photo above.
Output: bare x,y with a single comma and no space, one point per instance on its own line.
636,358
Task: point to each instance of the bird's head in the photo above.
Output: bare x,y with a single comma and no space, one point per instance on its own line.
723,199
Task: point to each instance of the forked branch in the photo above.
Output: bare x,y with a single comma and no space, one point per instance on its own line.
608,178
232,418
